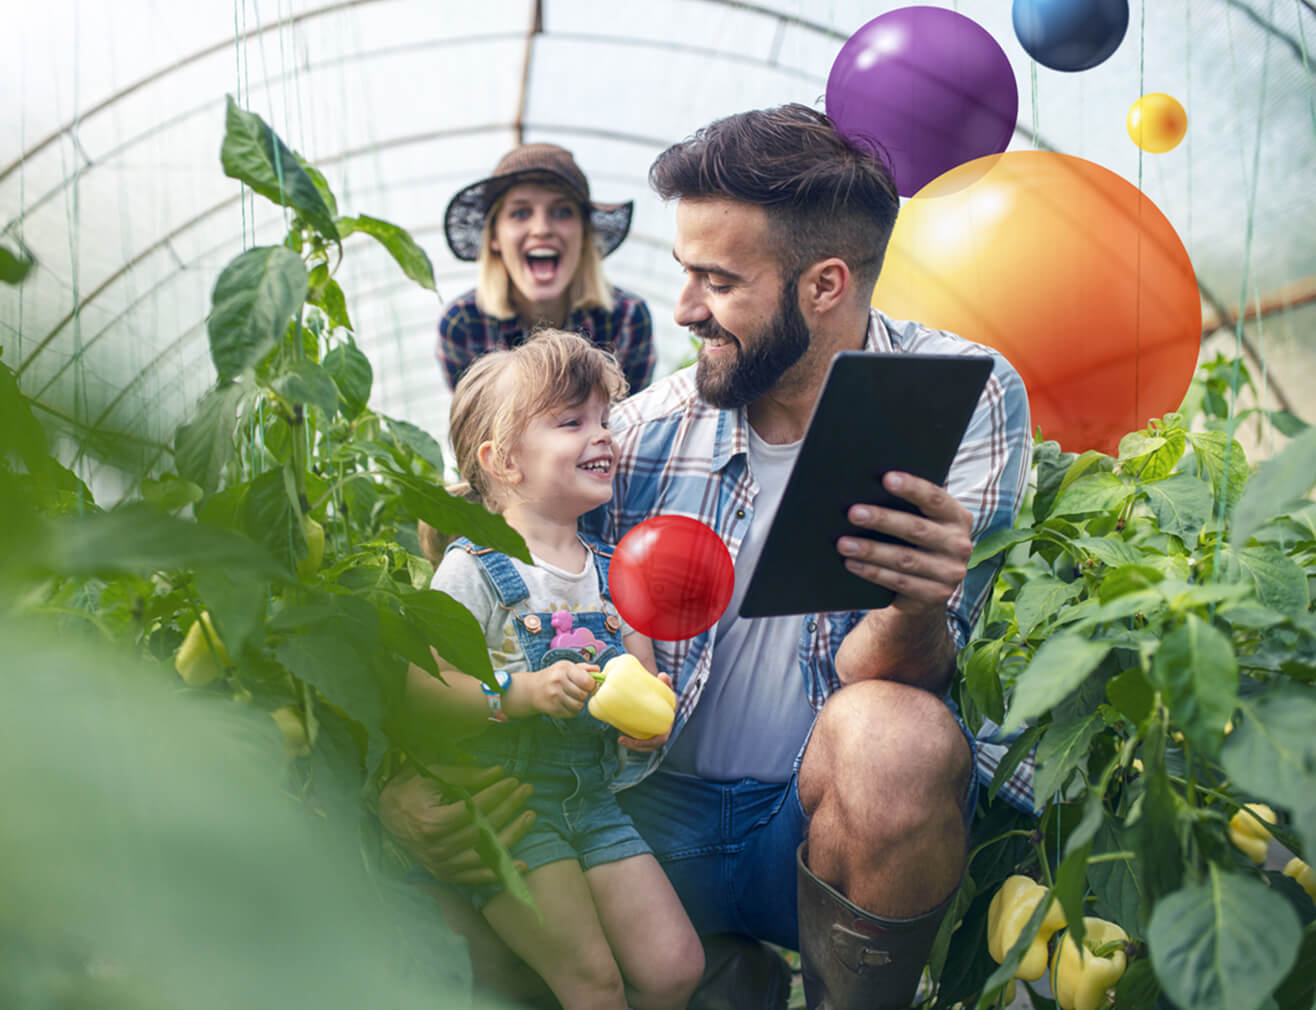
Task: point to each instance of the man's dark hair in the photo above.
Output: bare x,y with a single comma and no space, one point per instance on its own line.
825,194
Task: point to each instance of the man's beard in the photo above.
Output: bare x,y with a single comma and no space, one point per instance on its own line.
756,369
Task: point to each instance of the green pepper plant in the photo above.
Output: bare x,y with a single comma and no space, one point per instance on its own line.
1150,645
275,564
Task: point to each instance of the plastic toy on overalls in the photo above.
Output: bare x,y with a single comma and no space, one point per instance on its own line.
568,637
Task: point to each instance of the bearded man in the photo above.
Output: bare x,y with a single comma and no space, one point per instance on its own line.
816,786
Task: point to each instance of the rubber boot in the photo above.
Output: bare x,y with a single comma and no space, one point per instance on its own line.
854,960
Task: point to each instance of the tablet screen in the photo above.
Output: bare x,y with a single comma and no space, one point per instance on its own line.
877,412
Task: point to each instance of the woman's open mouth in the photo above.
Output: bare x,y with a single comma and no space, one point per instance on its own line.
542,264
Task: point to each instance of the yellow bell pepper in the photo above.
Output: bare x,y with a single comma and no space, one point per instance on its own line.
1249,836
632,699
195,662
295,741
1080,978
1011,908
314,533
1303,874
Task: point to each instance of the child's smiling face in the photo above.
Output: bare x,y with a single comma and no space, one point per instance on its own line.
564,459
539,232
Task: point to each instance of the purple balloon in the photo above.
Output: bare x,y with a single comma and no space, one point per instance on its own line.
930,86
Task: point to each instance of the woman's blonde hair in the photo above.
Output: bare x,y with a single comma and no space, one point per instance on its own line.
493,287
503,391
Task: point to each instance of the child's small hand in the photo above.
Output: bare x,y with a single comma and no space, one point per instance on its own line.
561,689
650,743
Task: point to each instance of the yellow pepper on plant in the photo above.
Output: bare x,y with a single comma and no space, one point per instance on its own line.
314,534
195,662
1081,977
1248,834
1303,874
1011,908
632,699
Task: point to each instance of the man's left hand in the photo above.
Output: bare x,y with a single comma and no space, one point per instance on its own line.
926,570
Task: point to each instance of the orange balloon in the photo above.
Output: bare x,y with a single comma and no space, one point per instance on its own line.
1156,122
1069,271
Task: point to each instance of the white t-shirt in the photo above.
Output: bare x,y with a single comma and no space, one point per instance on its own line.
755,679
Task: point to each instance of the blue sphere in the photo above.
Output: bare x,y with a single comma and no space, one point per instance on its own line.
1070,35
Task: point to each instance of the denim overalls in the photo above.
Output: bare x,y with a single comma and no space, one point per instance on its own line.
571,762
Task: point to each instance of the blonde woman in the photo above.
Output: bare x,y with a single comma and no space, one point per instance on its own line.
539,243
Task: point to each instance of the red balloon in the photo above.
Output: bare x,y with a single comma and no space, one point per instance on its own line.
671,577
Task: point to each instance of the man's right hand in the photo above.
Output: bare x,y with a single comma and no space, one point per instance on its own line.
437,830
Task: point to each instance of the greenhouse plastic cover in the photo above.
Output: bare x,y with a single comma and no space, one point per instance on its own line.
114,113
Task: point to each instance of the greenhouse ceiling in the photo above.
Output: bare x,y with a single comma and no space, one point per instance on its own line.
114,113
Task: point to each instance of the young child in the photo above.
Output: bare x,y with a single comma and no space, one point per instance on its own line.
529,428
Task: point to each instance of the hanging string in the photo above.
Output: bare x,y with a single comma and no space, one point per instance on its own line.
1306,66
1235,379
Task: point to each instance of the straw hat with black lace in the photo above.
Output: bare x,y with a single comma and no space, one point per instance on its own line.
463,221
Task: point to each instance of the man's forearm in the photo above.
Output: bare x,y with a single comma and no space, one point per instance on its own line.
914,649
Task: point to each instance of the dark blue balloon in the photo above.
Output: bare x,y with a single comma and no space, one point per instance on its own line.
1070,34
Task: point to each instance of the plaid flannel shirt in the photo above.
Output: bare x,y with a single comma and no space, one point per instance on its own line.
627,331
678,455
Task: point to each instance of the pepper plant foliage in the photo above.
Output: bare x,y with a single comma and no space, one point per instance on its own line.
1151,640
284,442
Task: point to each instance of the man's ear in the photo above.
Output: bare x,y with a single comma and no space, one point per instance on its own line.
825,285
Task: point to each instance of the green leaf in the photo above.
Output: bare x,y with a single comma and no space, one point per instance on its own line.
1096,492
254,154
1137,444
14,267
352,374
450,628
170,493
143,540
321,186
1110,550
982,680
454,516
1114,882
1181,504
1224,461
1276,486
236,600
1279,581
254,299
20,431
1159,860
1039,599
1064,747
1000,540
1071,884
1014,756
329,644
1123,580
1299,989
1197,674
271,516
335,305
1131,694
419,441
1051,466
204,445
1061,664
399,243
407,640
1272,752
307,382
1224,944
1287,423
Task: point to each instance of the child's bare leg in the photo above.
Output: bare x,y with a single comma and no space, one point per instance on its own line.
658,950
568,949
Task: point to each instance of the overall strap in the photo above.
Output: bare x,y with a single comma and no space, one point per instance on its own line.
507,584
601,552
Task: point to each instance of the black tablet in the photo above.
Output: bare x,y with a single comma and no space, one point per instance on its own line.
877,412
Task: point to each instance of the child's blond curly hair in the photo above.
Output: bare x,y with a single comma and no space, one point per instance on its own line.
503,391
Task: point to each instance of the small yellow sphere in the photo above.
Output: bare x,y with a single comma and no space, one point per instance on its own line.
1157,122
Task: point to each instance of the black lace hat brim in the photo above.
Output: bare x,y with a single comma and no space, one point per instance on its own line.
463,221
